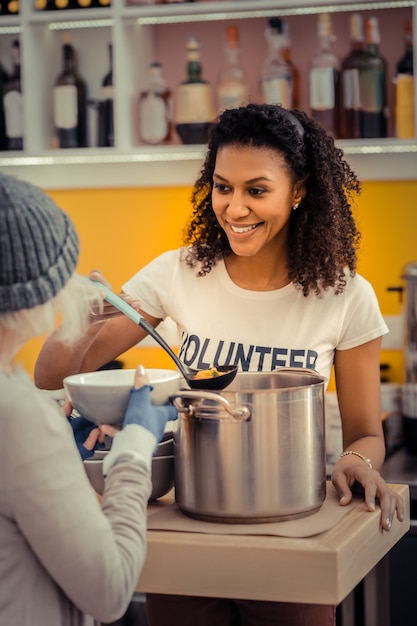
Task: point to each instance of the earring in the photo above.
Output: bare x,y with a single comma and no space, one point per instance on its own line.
295,207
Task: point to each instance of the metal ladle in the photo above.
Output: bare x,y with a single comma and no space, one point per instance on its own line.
214,383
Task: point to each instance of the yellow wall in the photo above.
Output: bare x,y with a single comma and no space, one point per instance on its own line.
387,218
122,229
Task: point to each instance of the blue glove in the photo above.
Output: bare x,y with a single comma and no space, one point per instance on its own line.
141,411
81,429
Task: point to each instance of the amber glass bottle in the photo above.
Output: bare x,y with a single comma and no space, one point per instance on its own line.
295,100
404,123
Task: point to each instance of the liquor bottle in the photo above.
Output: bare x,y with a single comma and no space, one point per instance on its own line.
155,108
9,7
350,88
70,103
92,4
373,85
276,83
324,79
194,107
232,87
44,5
4,78
404,122
54,5
13,103
105,110
295,71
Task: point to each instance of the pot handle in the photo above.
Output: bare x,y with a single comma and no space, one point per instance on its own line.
241,413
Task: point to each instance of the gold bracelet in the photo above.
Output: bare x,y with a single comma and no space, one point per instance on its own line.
364,459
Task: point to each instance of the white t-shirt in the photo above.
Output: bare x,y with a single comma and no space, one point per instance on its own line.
221,323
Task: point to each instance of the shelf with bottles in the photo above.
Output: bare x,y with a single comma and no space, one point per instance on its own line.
170,41
144,34
38,111
63,6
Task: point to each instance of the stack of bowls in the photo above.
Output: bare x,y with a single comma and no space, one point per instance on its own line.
162,468
102,398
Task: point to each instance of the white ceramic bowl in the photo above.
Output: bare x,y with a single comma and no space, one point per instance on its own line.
102,396
162,474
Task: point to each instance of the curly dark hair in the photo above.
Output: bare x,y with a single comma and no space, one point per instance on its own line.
323,236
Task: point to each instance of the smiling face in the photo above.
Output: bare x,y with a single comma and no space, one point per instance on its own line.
252,198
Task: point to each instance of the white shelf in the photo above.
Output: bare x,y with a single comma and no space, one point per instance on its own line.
170,166
159,166
247,9
131,30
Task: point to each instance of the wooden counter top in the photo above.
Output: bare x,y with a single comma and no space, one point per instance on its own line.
321,569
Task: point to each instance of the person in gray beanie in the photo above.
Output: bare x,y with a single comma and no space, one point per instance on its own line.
39,247
65,559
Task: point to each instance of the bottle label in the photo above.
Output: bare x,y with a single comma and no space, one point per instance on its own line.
13,114
194,104
404,106
154,124
322,94
277,91
65,106
351,90
232,96
372,86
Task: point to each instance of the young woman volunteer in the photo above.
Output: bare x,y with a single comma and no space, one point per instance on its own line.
267,278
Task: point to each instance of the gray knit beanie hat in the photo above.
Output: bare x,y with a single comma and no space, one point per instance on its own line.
38,246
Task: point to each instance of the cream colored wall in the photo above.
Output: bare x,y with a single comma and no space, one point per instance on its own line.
122,229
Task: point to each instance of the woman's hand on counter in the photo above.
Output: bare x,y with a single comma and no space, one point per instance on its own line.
348,475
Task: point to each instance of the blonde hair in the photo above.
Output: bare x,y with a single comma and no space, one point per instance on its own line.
71,306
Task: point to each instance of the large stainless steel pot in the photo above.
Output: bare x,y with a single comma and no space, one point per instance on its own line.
254,452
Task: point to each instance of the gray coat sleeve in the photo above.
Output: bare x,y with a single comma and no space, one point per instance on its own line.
94,551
